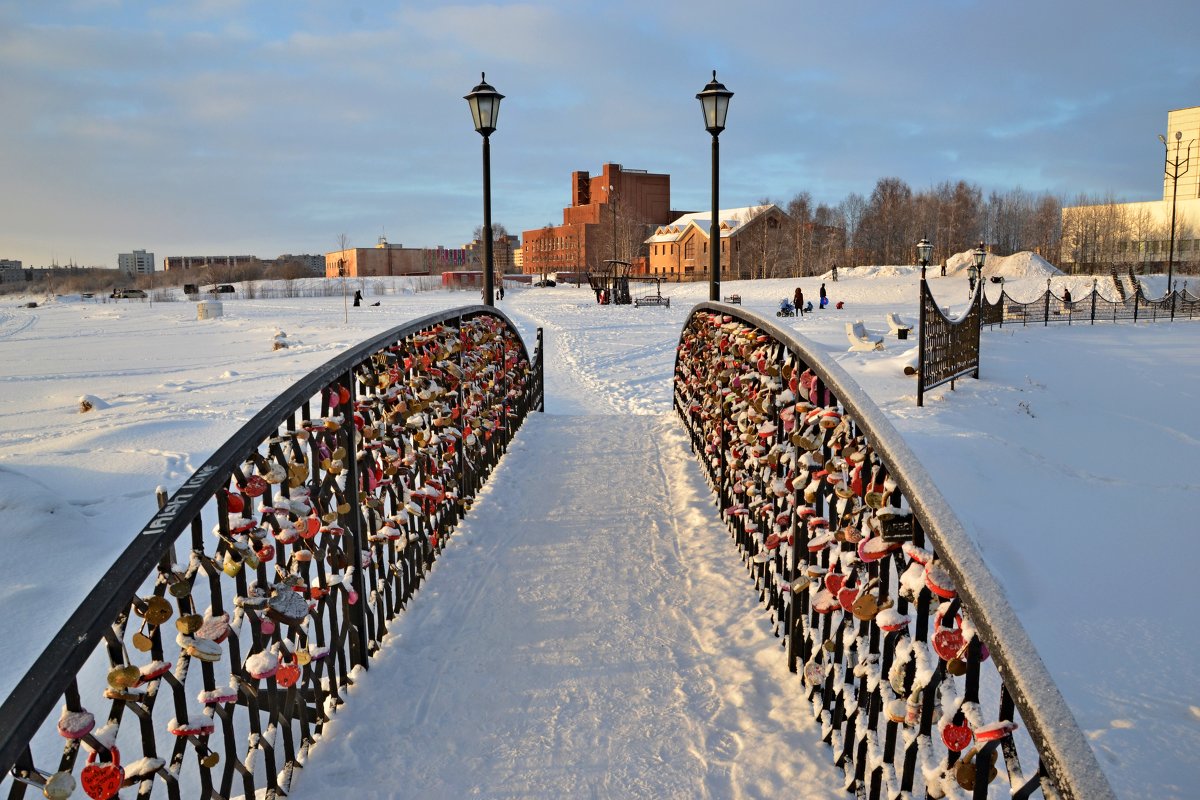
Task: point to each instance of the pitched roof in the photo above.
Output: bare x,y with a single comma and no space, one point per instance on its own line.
732,221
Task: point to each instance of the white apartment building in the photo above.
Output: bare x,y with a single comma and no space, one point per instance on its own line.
10,271
1138,235
139,262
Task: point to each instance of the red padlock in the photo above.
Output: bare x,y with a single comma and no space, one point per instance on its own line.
102,781
287,674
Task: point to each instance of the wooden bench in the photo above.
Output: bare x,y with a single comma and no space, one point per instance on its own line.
652,300
860,339
898,327
734,299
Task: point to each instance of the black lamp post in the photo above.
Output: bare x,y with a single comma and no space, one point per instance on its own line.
1177,168
714,101
485,108
924,252
978,256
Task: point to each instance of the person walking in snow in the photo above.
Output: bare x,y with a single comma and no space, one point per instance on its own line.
824,297
798,300
834,273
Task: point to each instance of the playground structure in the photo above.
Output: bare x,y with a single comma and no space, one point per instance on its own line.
611,284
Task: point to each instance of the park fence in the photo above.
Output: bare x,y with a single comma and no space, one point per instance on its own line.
921,678
212,654
1050,308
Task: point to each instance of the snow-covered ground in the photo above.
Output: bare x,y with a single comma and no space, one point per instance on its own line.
1072,461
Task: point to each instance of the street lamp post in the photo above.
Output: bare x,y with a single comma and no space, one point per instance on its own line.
485,108
613,206
714,101
924,252
1178,168
978,257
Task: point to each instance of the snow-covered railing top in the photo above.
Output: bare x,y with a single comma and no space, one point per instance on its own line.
898,627
231,625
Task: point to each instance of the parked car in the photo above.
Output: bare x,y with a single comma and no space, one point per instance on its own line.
546,282
120,294
222,288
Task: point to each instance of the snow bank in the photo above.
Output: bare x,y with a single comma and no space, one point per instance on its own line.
1015,267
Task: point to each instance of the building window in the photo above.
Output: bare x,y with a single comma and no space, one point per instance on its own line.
689,249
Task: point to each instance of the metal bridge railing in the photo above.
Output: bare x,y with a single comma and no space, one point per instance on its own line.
923,681
210,656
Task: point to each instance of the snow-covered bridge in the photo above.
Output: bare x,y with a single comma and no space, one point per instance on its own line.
588,630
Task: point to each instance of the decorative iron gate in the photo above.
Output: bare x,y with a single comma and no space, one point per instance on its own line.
225,635
919,673
949,349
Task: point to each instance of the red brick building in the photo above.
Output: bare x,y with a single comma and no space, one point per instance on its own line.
609,217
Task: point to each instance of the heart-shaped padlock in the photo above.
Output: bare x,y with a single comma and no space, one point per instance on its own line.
957,737
102,781
287,675
948,643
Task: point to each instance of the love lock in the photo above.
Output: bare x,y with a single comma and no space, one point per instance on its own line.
102,781
957,737
866,607
948,643
59,786
964,771
156,610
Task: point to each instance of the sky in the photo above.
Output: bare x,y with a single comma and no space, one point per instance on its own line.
235,127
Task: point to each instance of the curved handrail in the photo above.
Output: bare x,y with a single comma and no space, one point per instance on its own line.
752,363
425,408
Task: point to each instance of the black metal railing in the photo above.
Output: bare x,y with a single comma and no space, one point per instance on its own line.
1050,308
949,349
210,656
919,673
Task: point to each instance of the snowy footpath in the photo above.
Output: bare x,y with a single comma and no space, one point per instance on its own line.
589,632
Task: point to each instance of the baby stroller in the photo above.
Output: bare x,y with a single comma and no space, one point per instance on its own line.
786,309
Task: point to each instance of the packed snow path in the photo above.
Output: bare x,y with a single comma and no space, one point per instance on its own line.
588,632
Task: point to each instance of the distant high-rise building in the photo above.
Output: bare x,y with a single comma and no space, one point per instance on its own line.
139,262
10,271
313,263
198,262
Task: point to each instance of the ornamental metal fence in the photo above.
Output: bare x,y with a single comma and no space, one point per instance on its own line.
210,656
1050,308
921,678
949,349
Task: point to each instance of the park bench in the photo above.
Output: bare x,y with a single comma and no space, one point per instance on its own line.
860,339
734,299
652,300
897,326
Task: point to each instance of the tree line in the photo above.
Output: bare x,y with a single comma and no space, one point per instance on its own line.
883,228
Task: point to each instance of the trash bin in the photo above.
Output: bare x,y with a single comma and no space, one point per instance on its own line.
209,309
902,333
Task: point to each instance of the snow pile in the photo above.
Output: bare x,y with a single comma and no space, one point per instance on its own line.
1015,267
87,402
889,271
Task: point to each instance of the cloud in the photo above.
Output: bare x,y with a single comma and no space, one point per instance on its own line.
225,125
